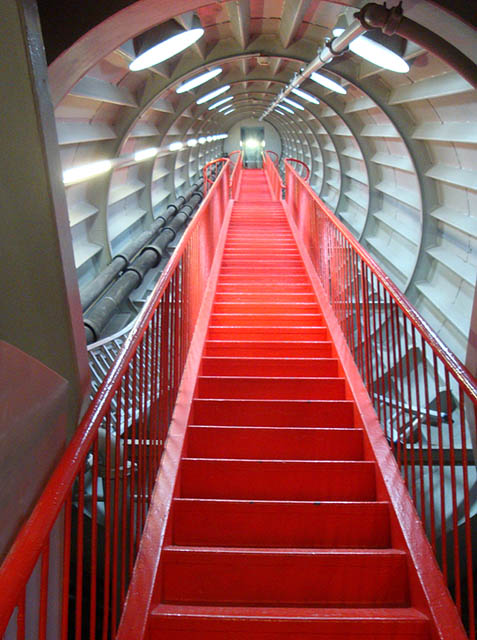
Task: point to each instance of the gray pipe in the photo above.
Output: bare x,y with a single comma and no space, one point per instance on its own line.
391,21
94,289
100,313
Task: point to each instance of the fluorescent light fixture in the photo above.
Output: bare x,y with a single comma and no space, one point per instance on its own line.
175,146
282,106
263,143
163,42
282,113
202,140
376,53
226,113
223,101
78,174
305,95
213,94
192,142
319,78
198,80
227,106
145,154
294,104
209,138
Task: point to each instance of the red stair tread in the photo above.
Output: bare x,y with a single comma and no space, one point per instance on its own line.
271,387
182,622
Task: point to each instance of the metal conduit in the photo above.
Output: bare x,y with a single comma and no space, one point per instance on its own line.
101,311
96,287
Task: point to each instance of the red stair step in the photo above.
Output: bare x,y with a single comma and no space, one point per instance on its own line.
233,523
188,622
262,348
268,333
289,577
277,479
269,320
273,413
309,367
258,308
270,388
269,443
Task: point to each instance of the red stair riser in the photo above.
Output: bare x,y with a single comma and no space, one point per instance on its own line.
305,367
273,413
324,578
269,320
281,524
277,480
268,333
274,443
265,308
270,388
250,348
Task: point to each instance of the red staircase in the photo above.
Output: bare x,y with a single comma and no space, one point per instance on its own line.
276,529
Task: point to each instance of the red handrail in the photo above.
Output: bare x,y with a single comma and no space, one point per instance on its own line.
273,176
211,171
423,395
235,180
302,164
274,156
101,488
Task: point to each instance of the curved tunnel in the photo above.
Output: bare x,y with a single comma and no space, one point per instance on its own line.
393,157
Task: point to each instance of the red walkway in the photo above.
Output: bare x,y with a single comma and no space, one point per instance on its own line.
276,528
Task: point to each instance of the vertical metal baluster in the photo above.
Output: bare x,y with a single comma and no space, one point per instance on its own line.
441,471
79,556
44,581
467,524
117,481
65,588
94,541
21,610
107,529
432,517
419,432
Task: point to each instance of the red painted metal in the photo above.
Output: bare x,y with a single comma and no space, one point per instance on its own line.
414,382
273,177
236,174
210,172
302,164
273,515
274,156
101,489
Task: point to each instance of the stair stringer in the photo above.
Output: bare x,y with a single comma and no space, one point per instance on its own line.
428,590
156,534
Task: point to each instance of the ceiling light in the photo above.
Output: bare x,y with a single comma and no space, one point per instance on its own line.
163,42
145,154
213,94
209,138
294,104
227,106
77,174
377,48
226,113
223,101
282,113
202,140
175,146
252,143
192,142
305,95
198,80
282,106
319,78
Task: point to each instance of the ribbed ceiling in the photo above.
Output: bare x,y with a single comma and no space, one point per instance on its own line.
394,157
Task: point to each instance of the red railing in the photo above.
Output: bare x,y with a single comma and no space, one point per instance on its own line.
273,176
210,172
303,169
235,181
67,573
424,397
